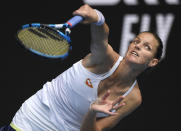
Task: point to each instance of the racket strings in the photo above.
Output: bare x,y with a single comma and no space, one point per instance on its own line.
36,33
50,33
44,40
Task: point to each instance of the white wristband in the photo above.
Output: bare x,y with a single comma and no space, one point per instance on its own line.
101,18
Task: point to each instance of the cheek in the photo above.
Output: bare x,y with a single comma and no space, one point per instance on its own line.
129,47
145,57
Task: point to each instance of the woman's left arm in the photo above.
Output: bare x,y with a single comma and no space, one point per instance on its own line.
126,106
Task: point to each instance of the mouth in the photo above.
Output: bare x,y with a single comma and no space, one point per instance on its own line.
134,53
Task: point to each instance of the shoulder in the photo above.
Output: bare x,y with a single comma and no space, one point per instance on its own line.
108,58
135,97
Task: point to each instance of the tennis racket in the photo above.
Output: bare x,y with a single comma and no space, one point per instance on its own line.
48,40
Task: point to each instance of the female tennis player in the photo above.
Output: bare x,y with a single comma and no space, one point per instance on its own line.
97,91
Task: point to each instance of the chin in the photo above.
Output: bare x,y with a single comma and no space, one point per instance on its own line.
133,59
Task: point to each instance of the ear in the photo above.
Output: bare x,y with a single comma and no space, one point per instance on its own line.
153,62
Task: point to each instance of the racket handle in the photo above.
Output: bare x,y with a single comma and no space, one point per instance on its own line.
74,20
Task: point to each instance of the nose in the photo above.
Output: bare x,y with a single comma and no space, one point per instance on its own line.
137,46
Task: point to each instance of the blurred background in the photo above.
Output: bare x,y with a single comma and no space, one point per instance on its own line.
24,73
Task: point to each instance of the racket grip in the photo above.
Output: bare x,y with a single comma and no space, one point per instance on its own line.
74,20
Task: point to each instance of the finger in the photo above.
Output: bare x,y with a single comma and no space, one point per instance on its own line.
111,113
106,95
117,106
82,10
75,12
79,12
118,100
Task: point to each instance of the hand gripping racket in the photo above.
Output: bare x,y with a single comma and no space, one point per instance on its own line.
48,40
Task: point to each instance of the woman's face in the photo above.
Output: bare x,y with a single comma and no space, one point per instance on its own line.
142,50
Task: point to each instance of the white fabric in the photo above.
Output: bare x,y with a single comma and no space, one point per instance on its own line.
101,18
62,103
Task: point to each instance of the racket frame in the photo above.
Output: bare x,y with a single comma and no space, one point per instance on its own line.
55,27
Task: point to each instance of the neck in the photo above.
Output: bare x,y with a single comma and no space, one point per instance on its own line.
128,72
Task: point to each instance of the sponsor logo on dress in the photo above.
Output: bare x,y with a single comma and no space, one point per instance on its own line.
88,83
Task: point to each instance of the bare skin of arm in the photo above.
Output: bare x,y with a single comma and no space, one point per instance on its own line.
101,51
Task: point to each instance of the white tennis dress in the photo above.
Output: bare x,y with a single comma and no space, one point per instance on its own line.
62,103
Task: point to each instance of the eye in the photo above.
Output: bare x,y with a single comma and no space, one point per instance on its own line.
146,45
135,41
